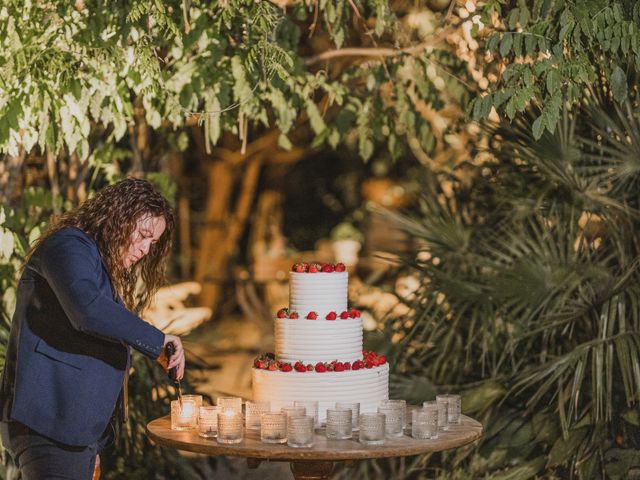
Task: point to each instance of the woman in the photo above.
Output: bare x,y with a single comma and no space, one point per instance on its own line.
68,352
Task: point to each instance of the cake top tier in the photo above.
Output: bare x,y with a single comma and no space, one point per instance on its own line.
323,292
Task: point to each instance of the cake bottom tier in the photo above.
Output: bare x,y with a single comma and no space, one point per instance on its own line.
367,386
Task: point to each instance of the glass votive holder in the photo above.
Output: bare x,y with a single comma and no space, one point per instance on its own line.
229,426
195,398
424,423
234,403
339,424
401,405
443,409
208,421
372,428
294,411
454,406
300,431
394,415
311,408
434,418
355,411
253,412
184,414
273,427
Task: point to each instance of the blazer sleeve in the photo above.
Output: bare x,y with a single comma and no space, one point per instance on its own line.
72,267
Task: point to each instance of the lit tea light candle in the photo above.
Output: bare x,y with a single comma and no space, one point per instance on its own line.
229,426
184,415
208,421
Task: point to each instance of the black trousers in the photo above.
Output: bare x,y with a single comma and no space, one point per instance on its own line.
37,457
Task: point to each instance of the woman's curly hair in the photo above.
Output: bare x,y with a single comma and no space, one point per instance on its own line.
110,219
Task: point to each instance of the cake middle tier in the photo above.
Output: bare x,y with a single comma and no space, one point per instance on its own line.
311,341
318,292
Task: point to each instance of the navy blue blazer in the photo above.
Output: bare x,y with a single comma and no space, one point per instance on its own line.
68,348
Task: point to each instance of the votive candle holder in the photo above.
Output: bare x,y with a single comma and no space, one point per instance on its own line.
311,408
229,427
273,427
454,404
424,423
355,411
434,417
253,413
339,424
208,421
443,412
401,406
292,411
235,403
372,428
184,414
394,415
300,431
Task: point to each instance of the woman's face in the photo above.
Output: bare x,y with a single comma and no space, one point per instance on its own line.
147,231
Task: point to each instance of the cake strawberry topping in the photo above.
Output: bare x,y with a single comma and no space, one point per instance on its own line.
312,316
370,360
315,267
331,316
283,313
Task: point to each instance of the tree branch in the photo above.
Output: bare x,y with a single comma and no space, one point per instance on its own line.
377,52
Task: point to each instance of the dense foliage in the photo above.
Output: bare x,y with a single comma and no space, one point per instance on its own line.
75,75
545,53
529,299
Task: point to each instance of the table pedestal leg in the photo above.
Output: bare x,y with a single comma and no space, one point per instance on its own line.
311,470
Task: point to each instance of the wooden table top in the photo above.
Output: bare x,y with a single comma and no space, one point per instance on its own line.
159,431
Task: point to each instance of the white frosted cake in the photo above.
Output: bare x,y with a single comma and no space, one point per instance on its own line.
319,353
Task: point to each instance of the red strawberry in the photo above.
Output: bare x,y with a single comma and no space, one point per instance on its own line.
358,314
262,364
273,366
306,266
340,267
382,360
327,268
364,352
347,365
320,367
298,267
369,364
286,367
313,268
256,363
339,367
357,365
309,368
352,313
300,368
344,315
331,316
282,313
312,316
293,315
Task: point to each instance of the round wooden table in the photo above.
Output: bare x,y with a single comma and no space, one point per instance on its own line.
318,461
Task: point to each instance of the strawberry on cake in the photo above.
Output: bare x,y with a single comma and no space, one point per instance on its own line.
319,353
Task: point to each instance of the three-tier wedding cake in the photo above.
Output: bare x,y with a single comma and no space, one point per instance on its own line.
318,347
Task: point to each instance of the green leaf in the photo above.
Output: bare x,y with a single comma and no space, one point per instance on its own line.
632,416
619,84
365,148
505,44
563,450
315,119
553,80
284,142
538,127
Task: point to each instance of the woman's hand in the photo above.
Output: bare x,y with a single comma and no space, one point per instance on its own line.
177,359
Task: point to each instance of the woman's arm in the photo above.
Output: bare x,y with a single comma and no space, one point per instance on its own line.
72,266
